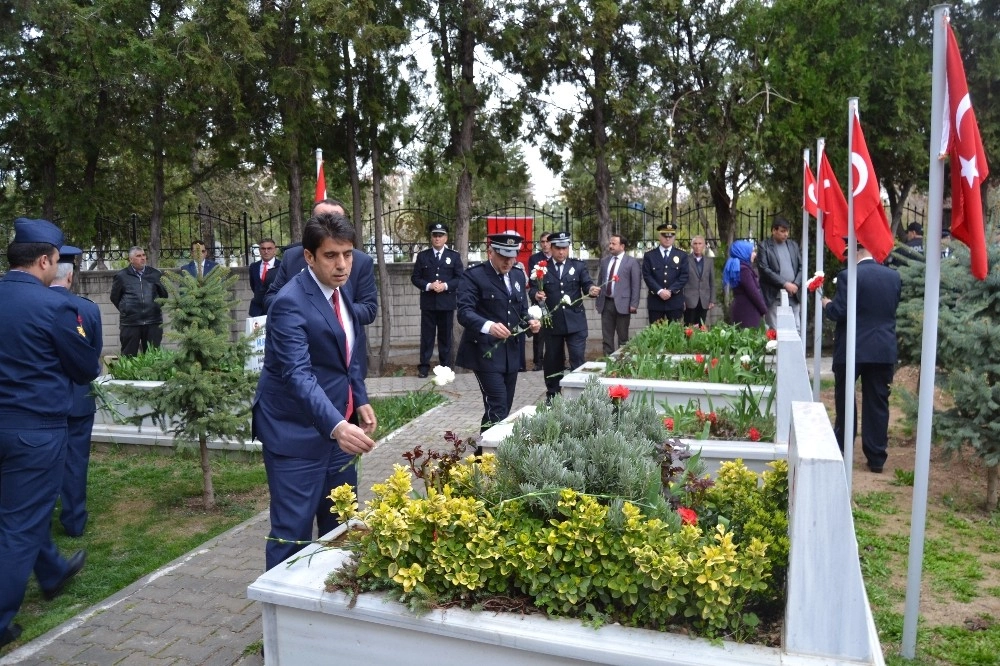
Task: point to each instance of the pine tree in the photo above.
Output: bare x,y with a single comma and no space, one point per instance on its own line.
208,392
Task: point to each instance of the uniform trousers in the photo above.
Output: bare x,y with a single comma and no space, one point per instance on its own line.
555,357
498,395
696,315
876,382
300,489
435,324
31,469
73,492
137,339
613,324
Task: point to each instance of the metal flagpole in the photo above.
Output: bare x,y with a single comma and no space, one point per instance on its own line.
803,293
928,351
818,319
852,303
319,160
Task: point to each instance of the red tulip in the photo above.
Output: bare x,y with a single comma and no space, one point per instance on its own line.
688,516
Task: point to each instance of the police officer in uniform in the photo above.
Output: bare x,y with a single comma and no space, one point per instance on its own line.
73,493
665,272
492,307
436,273
566,278
45,349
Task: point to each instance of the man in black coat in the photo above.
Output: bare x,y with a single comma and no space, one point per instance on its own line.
493,308
779,264
665,272
566,282
436,273
879,289
262,274
545,254
134,291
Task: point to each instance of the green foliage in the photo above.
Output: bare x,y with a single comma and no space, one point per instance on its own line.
153,365
608,549
724,369
746,420
666,337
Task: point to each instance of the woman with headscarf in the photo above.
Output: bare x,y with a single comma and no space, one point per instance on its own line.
740,276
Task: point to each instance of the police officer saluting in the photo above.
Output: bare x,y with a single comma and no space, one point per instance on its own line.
45,350
81,414
492,305
436,273
566,280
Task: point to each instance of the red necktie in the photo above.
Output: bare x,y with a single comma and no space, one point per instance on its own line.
347,353
263,272
611,273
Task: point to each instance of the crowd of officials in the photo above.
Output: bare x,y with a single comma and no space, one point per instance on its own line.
311,410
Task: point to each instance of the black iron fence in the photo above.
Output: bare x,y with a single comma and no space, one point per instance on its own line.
233,239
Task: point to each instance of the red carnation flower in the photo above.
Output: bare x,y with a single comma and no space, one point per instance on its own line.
618,392
542,263
614,278
688,332
712,417
772,334
753,434
688,516
668,423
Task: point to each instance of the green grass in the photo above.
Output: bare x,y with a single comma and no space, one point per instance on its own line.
145,510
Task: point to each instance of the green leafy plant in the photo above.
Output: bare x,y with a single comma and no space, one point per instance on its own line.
154,364
666,337
747,419
723,369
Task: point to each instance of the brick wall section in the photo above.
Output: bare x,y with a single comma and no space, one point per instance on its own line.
404,297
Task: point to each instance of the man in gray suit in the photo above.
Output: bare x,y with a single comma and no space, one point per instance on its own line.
699,294
619,298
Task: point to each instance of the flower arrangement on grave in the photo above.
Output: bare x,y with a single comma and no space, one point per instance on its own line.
587,510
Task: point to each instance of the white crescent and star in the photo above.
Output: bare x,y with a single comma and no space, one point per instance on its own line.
963,107
859,163
811,193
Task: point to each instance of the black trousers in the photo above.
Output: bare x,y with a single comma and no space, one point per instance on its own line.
538,348
435,324
136,339
498,396
876,384
555,357
613,324
695,315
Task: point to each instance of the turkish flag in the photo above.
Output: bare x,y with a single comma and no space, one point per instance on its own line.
320,184
809,198
968,161
870,222
834,206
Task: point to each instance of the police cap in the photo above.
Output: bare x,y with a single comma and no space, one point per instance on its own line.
438,228
68,254
506,244
37,231
560,238
667,229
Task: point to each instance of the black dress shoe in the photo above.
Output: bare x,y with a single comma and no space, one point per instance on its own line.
537,368
875,470
10,634
422,374
75,564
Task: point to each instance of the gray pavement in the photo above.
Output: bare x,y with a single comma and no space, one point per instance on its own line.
195,609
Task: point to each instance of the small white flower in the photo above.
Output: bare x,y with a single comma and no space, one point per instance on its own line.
835,280
566,299
772,346
535,312
746,357
443,375
819,274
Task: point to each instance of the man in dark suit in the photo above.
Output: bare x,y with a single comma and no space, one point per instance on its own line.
544,254
45,350
618,299
779,264
493,308
361,282
436,273
200,265
262,274
699,293
309,390
73,492
879,289
566,282
665,272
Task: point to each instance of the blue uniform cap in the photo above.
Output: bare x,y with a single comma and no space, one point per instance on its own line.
507,244
667,229
68,254
438,228
559,239
37,231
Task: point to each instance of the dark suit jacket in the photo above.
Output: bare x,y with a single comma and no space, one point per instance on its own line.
302,392
426,270
361,282
89,317
671,274
768,268
879,289
260,288
575,283
192,270
535,258
483,297
628,287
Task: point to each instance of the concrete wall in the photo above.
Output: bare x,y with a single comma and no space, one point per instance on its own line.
403,299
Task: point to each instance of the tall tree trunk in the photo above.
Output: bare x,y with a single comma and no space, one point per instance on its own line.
469,100
207,488
722,204
383,269
602,174
992,487
294,193
351,130
159,196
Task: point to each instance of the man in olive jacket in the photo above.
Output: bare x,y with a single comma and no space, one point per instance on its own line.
134,291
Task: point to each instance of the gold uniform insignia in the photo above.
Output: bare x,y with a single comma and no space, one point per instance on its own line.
83,333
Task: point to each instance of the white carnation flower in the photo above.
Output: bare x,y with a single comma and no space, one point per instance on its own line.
772,346
566,299
745,358
535,312
443,375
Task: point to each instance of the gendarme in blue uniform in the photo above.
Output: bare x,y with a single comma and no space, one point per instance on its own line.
44,351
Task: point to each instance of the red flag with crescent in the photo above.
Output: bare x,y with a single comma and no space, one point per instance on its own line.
870,222
834,206
320,184
810,201
968,161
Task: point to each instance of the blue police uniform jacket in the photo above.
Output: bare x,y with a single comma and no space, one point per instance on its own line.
665,273
879,291
427,269
45,349
89,316
482,297
574,283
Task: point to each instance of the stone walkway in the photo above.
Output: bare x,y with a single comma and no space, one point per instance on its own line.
194,610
